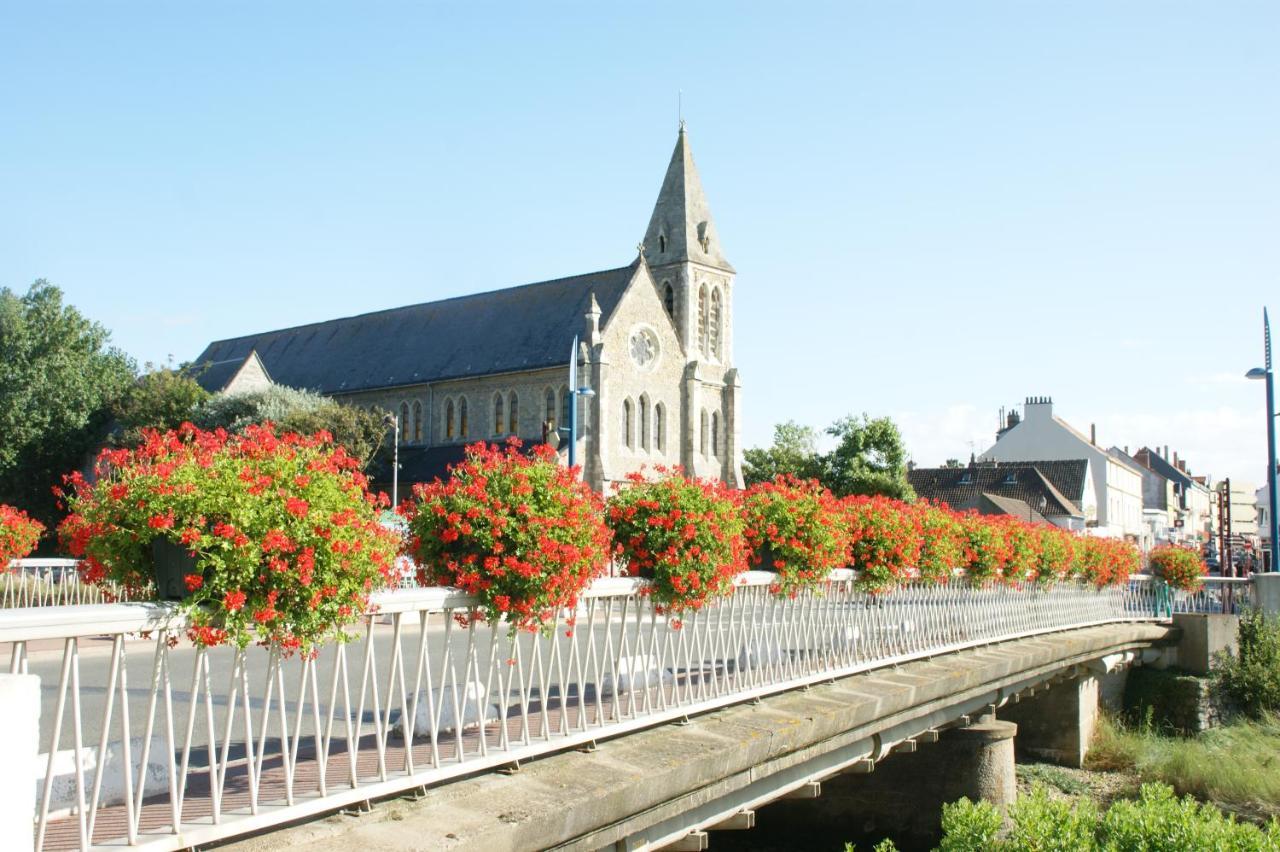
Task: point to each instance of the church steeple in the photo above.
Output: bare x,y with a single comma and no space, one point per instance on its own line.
681,228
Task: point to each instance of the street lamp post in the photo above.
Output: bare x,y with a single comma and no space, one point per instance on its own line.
574,393
393,420
1266,373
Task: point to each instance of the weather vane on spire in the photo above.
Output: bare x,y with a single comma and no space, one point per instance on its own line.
680,107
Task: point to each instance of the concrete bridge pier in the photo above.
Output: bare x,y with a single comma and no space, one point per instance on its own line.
903,794
1056,723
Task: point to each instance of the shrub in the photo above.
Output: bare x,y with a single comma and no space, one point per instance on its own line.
1157,821
518,531
797,526
884,540
19,534
684,534
1250,678
969,826
1180,567
283,532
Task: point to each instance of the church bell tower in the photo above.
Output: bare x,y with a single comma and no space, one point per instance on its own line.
695,285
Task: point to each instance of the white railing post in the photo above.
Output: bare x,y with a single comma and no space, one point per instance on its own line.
19,736
1266,592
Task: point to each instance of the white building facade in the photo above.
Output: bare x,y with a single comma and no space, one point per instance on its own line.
1118,486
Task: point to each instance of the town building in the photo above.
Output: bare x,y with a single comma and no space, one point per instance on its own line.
1177,506
1037,435
1056,492
655,349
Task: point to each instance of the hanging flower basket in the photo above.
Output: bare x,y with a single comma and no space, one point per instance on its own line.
264,537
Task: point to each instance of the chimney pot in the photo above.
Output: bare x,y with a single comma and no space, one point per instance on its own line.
1093,434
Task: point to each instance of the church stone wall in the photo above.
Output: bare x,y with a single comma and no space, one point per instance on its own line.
640,313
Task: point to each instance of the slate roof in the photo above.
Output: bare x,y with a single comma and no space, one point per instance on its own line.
994,504
1060,483
1153,461
519,328
213,376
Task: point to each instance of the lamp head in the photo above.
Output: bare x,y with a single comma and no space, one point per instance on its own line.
586,392
1256,373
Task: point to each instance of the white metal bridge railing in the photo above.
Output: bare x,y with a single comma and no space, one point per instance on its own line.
50,582
147,741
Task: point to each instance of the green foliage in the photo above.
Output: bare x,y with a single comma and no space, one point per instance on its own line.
1052,776
160,399
1234,765
1157,821
1160,822
868,459
1042,824
1251,679
58,379
969,827
360,432
794,453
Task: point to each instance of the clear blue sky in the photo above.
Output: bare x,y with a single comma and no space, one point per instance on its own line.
935,208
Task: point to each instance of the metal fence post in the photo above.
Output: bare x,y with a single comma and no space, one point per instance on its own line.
19,737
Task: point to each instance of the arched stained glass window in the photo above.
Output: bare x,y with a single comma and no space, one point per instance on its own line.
450,425
404,422
462,417
702,434
627,432
513,414
660,427
499,418
565,401
669,299
417,422
550,405
715,434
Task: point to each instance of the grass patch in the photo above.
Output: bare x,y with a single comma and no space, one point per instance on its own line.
1236,766
1052,776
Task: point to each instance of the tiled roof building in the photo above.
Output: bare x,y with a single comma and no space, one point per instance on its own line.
1039,491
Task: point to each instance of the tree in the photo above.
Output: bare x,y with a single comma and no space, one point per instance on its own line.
952,464
794,451
159,399
869,458
361,432
58,380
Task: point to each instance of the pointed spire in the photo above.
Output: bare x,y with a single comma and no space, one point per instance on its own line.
681,227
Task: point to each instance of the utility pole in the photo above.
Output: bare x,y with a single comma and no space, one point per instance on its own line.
1224,529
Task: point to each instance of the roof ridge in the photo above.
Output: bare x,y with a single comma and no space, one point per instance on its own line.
445,300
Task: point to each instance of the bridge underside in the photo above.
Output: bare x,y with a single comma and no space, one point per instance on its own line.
655,786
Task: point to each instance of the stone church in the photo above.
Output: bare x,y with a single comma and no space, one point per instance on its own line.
655,347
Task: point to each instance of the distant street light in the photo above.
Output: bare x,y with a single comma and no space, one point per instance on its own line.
393,420
1266,373
574,393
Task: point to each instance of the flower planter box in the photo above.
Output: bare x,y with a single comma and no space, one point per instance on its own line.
171,563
